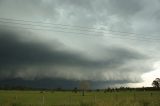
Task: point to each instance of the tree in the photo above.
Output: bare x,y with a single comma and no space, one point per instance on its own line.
75,90
156,83
84,85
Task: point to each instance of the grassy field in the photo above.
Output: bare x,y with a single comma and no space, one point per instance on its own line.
37,98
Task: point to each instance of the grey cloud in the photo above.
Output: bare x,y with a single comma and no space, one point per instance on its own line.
31,9
24,59
31,60
14,51
56,83
124,7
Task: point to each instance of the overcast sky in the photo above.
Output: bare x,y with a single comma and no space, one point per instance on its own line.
113,42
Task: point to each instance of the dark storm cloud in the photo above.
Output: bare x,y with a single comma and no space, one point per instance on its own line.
14,51
30,59
123,61
55,83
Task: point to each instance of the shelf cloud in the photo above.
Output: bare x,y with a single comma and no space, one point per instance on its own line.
112,41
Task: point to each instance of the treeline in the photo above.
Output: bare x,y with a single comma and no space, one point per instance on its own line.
7,87
130,89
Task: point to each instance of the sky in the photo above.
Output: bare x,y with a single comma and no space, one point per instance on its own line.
51,43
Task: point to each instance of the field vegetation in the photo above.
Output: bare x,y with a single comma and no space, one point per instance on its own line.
70,98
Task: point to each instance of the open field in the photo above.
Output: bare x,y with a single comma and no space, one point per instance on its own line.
37,98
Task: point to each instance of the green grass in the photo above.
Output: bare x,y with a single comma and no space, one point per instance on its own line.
35,98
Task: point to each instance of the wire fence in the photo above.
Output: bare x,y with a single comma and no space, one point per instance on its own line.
108,99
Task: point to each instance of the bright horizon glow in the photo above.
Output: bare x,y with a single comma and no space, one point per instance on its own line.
148,77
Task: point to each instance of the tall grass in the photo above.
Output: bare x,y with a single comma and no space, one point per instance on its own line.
35,98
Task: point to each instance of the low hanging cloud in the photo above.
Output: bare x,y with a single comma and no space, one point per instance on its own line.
29,59
116,58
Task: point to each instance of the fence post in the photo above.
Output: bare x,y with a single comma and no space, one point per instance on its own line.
16,98
70,100
94,99
43,100
134,97
116,97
